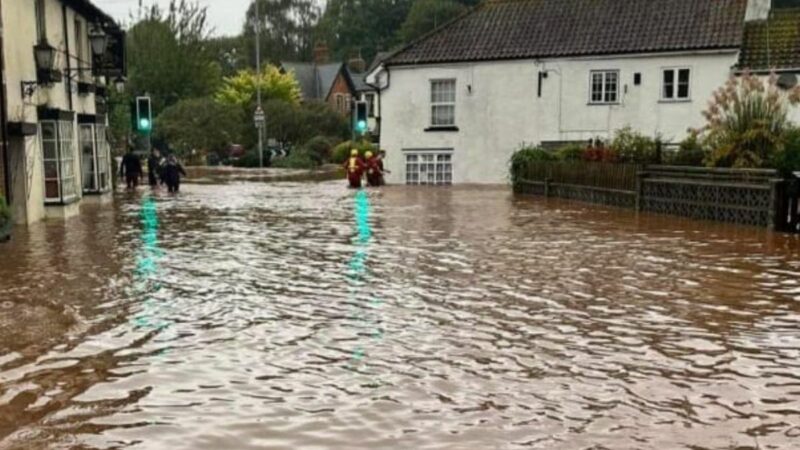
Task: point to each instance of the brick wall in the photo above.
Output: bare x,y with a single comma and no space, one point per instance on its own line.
340,95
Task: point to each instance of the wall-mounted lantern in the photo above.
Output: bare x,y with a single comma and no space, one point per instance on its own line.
99,41
45,56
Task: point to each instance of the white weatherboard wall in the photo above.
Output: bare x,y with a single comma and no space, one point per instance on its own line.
502,111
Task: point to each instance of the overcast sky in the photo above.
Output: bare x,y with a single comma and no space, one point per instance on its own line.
226,16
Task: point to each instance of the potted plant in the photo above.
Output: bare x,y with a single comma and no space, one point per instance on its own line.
5,220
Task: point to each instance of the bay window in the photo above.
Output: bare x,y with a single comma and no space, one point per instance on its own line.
57,138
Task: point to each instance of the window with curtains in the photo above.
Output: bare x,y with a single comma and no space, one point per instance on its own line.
94,158
58,150
443,103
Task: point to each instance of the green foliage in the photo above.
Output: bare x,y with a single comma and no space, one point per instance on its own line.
787,159
633,147
341,152
230,53
167,56
690,153
251,159
523,157
5,213
200,124
319,149
288,29
300,158
292,125
240,89
746,122
363,27
571,152
426,15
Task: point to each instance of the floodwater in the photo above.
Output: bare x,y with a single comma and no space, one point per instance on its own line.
251,315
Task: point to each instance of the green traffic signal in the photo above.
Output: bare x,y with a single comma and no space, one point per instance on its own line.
144,124
361,125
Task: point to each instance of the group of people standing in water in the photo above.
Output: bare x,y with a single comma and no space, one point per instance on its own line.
160,171
370,166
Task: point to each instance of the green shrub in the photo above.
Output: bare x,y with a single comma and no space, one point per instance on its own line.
633,147
5,213
571,152
341,152
299,158
787,159
690,153
251,159
319,148
523,157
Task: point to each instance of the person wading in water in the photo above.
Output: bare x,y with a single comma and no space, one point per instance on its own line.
354,166
171,174
131,169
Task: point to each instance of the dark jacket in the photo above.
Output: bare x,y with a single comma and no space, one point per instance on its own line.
171,173
131,166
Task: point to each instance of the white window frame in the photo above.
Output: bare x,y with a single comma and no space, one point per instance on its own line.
604,91
66,175
370,99
428,167
99,158
442,103
676,84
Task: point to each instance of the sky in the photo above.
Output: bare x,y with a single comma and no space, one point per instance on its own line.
225,16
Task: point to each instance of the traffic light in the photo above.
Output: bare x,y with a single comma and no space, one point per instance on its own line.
361,117
143,115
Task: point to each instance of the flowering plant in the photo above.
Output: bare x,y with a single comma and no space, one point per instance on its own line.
746,121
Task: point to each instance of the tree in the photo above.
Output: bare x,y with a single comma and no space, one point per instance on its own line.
230,53
240,89
200,124
426,15
287,29
364,27
168,57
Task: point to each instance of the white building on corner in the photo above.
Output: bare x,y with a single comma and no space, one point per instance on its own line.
458,102
60,58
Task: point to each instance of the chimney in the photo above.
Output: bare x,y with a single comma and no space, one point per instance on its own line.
757,10
321,54
357,64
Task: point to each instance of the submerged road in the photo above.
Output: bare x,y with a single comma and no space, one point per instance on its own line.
251,315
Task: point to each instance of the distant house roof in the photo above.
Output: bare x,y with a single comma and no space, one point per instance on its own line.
359,83
379,58
522,29
772,44
315,80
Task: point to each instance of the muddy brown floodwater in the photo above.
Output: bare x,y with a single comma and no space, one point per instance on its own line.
249,315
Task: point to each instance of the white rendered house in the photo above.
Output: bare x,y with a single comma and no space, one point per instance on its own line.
457,103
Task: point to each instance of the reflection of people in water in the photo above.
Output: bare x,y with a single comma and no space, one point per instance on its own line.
171,174
131,169
355,169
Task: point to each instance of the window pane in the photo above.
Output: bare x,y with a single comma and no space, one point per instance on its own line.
51,190
49,150
51,170
669,84
683,90
48,130
683,76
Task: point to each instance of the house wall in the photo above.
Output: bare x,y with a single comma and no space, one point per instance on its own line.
340,89
498,109
26,157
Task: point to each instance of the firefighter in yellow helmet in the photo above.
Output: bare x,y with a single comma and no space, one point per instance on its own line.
354,166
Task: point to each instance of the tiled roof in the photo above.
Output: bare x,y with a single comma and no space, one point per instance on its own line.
315,80
516,29
772,44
